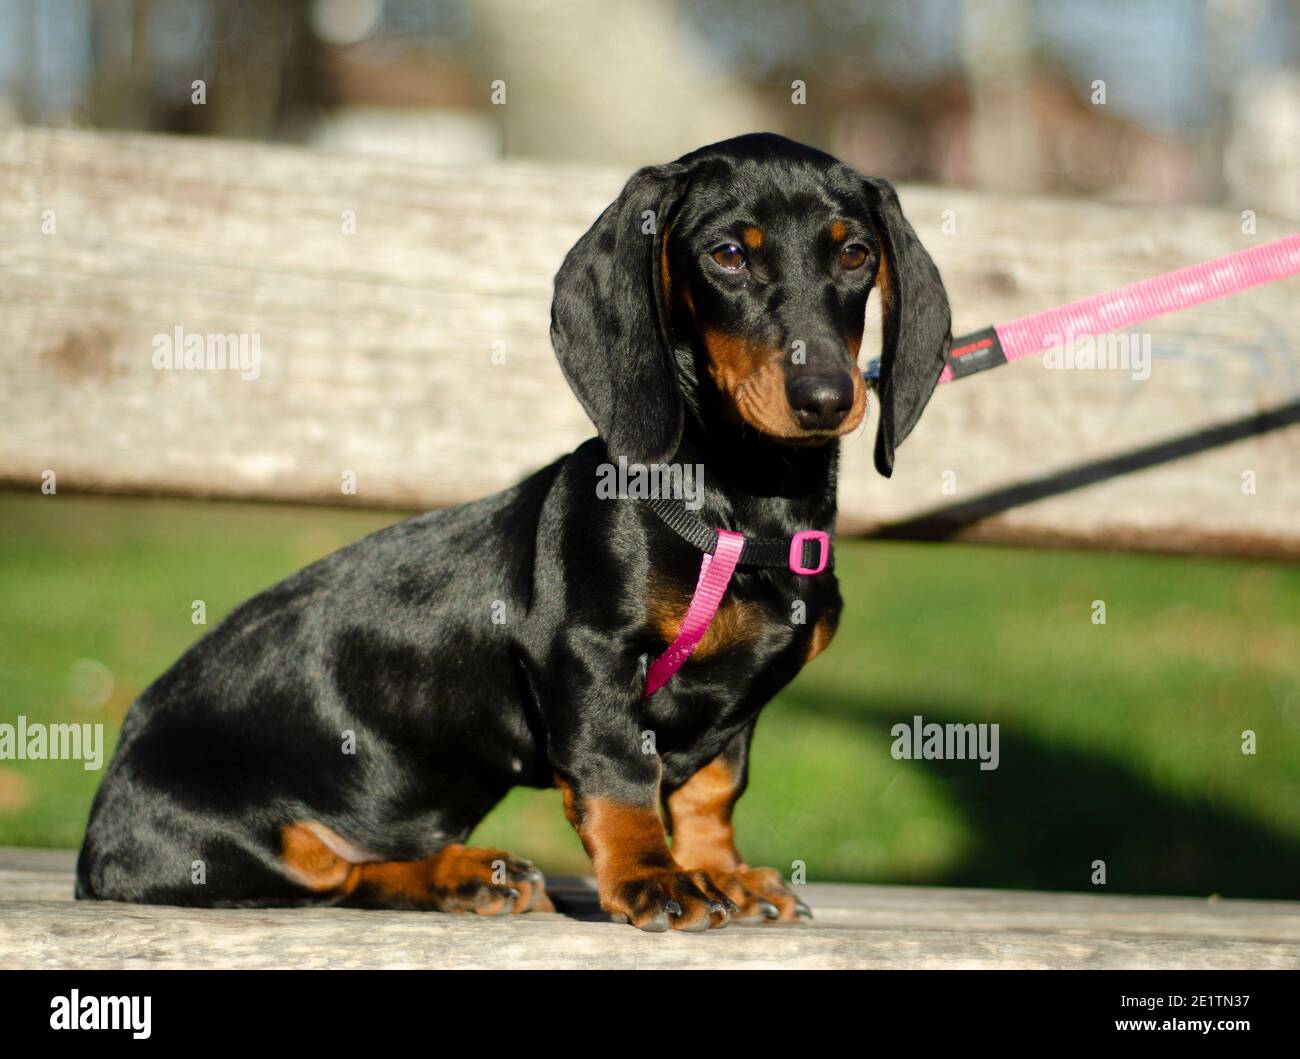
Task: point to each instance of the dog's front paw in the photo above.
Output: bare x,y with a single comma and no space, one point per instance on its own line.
761,893
670,899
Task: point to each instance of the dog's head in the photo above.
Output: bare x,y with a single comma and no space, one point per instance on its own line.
738,276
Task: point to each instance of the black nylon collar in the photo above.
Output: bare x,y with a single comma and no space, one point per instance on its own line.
758,551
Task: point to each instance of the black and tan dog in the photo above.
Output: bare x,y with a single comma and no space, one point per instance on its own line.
711,316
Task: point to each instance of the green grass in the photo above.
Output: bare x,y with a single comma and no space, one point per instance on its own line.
1119,742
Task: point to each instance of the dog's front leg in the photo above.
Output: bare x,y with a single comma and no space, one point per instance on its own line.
611,796
699,813
637,879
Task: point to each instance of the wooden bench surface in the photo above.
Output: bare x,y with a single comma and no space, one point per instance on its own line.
855,927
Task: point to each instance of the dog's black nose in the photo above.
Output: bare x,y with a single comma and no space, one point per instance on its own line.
820,402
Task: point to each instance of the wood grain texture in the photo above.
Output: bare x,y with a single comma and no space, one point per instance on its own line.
855,927
377,348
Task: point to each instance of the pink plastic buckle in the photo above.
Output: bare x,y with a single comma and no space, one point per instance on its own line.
796,551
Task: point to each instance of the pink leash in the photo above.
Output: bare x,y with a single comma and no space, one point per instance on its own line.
1150,298
1122,307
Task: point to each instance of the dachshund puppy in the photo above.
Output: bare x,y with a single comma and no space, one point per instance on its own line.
336,739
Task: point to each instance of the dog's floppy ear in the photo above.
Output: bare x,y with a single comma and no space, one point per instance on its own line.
609,325
917,328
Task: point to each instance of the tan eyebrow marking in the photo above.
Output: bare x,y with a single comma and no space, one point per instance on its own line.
753,237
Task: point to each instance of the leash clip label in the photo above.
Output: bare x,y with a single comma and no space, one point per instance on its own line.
974,352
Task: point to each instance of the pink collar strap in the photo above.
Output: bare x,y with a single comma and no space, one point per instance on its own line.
715,576
724,550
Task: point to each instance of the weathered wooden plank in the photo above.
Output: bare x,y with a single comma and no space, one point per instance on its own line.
84,936
882,907
856,926
377,348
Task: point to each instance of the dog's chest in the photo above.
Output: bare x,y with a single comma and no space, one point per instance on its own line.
761,636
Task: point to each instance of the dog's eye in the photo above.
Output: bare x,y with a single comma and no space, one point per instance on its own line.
853,256
729,256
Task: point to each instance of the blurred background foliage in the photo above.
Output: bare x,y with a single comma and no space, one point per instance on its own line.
1119,742
1136,100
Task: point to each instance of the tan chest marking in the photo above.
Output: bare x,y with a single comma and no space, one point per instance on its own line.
736,624
822,635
